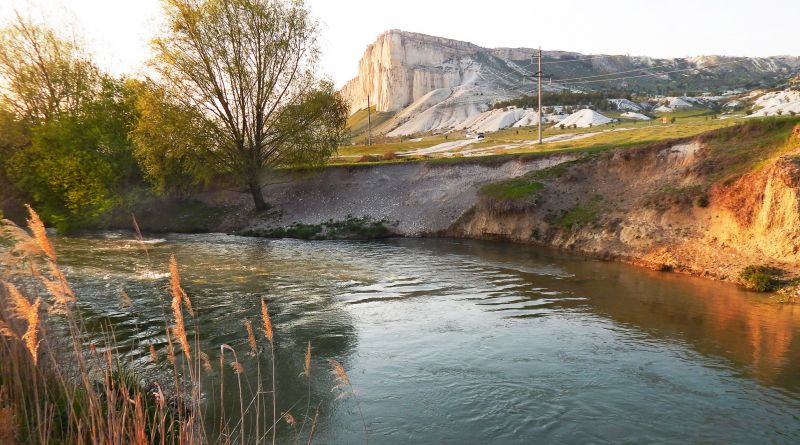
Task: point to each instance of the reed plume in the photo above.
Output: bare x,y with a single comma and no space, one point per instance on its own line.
179,328
345,387
175,285
267,321
58,287
37,228
205,361
153,354
342,379
30,313
6,331
251,337
307,362
237,367
124,299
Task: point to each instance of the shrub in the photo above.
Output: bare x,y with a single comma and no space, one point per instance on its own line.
702,201
390,156
760,278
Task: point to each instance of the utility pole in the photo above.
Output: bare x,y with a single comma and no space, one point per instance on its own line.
539,75
369,122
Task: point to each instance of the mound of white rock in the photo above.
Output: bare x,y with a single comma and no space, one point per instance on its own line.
585,119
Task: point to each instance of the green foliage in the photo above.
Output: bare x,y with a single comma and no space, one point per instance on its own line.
246,69
761,278
511,189
598,100
581,215
77,166
43,73
350,228
173,143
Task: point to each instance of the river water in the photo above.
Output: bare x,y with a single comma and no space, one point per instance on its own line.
466,342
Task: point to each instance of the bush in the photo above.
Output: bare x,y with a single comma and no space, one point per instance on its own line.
369,158
760,278
702,201
390,156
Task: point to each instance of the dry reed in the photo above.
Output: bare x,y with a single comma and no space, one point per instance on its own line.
251,337
175,285
36,226
267,321
206,362
138,233
307,361
124,299
102,404
153,354
28,312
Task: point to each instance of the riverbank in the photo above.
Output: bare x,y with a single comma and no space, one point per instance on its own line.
710,205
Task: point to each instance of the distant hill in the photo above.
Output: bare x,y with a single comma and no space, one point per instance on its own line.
424,83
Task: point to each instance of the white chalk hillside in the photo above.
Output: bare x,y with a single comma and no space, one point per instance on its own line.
494,120
776,103
637,116
585,119
625,104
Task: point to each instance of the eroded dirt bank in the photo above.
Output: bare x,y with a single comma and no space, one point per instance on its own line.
692,206
710,205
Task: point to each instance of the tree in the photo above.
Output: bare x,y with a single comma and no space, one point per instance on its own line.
42,73
173,142
245,70
79,165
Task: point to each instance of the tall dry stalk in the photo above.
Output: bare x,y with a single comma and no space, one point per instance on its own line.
345,388
178,297
269,335
251,337
24,310
237,367
36,226
138,233
175,285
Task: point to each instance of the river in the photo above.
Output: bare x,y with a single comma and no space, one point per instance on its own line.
467,342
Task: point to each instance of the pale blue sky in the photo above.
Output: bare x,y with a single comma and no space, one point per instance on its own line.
118,30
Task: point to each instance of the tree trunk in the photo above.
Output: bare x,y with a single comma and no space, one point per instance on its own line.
258,195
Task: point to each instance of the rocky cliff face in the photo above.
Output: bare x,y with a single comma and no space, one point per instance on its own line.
436,84
400,67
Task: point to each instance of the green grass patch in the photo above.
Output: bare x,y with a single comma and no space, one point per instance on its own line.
517,188
581,215
747,147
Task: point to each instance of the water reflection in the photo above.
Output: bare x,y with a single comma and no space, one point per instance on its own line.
471,342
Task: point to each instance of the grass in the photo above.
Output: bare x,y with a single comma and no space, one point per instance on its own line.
61,384
688,123
516,188
581,215
737,150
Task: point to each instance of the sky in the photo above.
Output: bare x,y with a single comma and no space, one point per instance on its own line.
118,31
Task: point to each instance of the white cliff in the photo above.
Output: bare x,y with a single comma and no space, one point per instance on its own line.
435,84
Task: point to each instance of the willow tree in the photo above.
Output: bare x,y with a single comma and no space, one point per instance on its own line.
43,73
246,69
